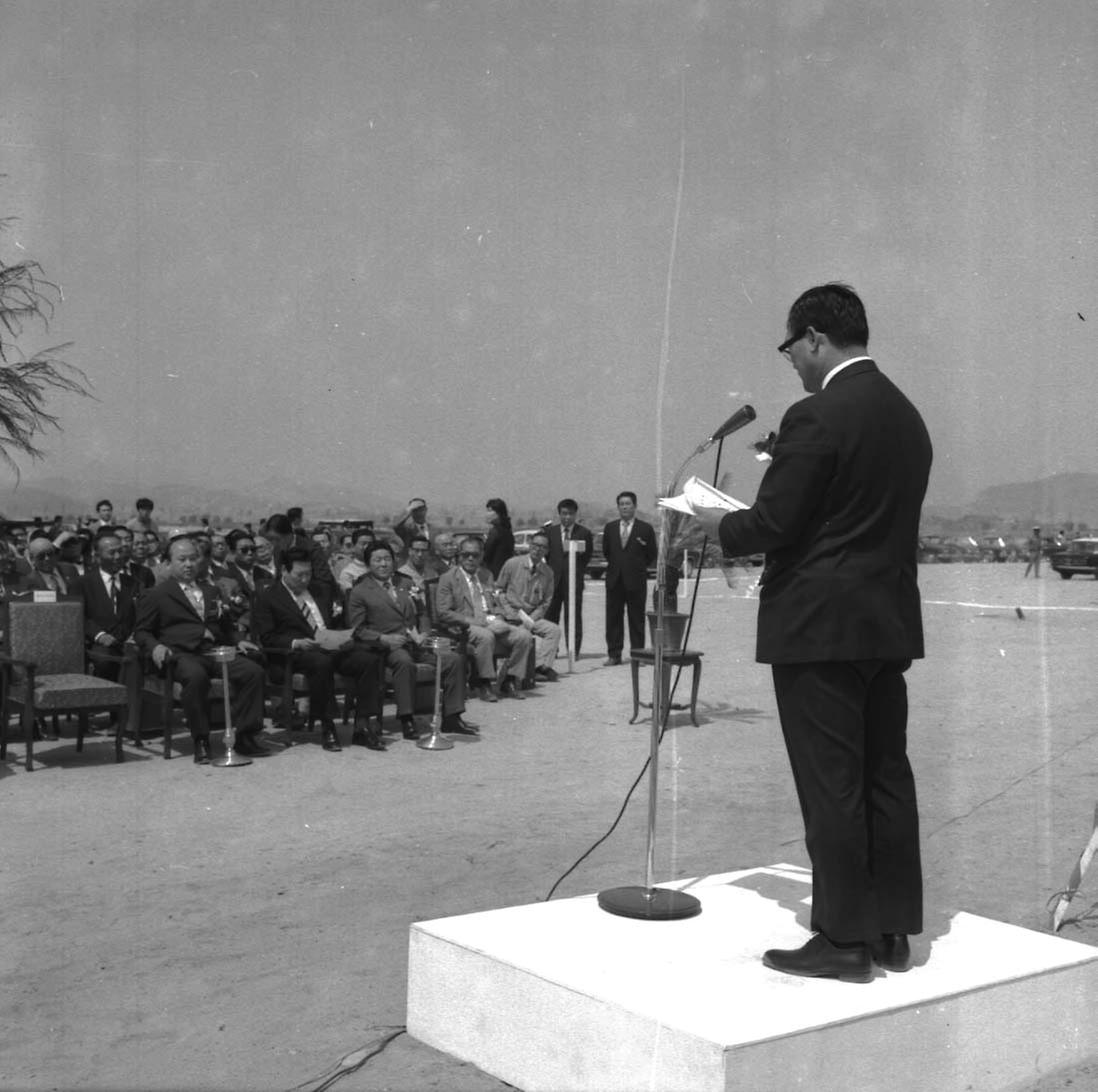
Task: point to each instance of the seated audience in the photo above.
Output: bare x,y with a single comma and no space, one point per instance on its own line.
380,612
525,587
43,574
134,553
109,594
280,531
413,524
466,597
72,552
355,569
445,551
414,575
143,521
183,619
286,615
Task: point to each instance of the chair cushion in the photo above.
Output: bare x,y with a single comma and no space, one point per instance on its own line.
76,692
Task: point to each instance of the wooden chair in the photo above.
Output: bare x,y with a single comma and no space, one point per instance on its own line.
44,673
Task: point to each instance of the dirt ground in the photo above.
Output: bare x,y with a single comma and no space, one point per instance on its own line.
168,926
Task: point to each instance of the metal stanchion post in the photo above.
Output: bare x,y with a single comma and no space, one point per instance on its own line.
224,655
436,741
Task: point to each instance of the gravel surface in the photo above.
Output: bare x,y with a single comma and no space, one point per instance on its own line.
176,927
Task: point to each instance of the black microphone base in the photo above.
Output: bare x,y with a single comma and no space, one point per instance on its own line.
649,903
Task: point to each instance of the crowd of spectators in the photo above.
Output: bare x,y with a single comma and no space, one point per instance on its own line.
314,594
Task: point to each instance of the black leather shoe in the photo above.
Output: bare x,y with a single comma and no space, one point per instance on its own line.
511,689
548,674
202,751
330,740
408,728
486,693
892,952
249,744
369,737
453,724
819,958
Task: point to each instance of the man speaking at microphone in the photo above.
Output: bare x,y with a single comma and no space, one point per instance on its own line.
840,621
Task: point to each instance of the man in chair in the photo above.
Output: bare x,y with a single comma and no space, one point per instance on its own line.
467,598
525,589
110,596
379,611
287,616
183,620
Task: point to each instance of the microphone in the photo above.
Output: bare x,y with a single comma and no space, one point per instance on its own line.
743,416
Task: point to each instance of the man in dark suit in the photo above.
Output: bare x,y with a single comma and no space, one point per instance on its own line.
563,604
134,553
840,621
184,619
380,612
110,596
630,547
285,615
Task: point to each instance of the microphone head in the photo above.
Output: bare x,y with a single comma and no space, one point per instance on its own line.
743,416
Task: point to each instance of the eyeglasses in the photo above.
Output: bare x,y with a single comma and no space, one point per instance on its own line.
788,343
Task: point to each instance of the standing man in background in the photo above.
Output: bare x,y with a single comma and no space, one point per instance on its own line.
630,548
1034,546
840,621
568,601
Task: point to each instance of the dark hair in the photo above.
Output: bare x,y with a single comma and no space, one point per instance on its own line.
119,529
294,553
101,538
361,533
99,504
540,534
476,539
419,538
233,537
833,309
568,504
373,549
500,509
294,513
627,493
280,525
143,502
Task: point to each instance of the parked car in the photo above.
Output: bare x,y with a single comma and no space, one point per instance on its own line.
522,539
1079,556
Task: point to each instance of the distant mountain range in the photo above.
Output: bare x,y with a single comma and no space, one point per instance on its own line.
1071,497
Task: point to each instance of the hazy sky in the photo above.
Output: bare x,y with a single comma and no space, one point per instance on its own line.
425,246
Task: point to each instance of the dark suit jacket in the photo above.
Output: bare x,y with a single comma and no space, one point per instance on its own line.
557,559
629,566
100,615
837,514
142,575
165,616
371,612
32,582
276,620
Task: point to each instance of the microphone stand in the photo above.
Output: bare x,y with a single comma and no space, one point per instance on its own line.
649,902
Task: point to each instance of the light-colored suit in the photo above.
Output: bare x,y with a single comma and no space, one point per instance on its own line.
456,607
523,588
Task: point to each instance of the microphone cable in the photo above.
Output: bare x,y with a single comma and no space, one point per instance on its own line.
666,711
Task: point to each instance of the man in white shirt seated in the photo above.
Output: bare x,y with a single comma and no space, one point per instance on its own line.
525,586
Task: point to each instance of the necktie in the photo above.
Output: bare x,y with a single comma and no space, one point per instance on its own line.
480,603
113,581
625,529
391,590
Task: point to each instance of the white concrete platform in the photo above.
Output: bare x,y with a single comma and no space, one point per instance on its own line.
562,996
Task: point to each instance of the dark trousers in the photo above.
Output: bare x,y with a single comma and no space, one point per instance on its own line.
194,671
320,667
560,606
845,728
621,600
402,662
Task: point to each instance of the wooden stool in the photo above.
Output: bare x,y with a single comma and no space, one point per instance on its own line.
684,658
